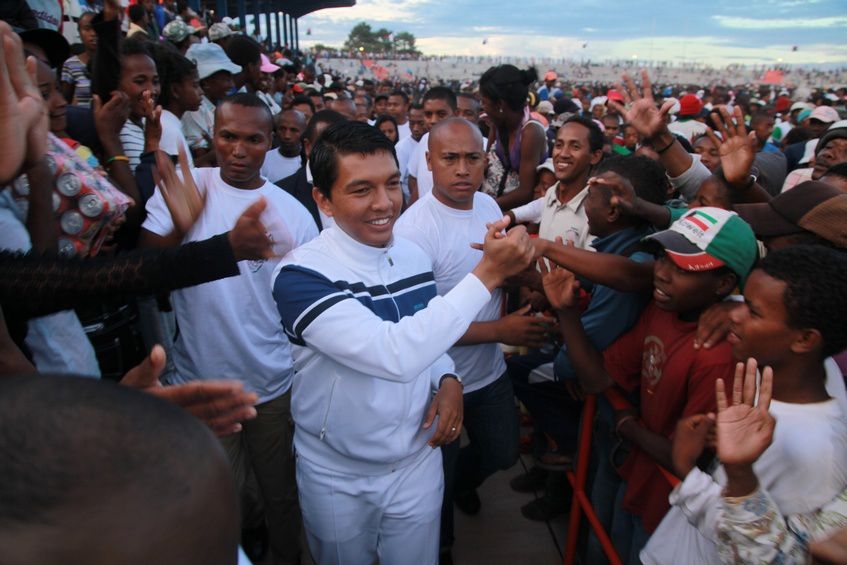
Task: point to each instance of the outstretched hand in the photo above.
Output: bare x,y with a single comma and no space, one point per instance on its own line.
181,195
640,110
744,431
221,405
560,285
623,193
736,147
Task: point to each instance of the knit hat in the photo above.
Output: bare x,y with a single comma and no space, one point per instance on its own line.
810,206
177,30
219,31
690,106
704,239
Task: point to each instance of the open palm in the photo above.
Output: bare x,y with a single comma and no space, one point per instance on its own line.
735,146
744,430
560,285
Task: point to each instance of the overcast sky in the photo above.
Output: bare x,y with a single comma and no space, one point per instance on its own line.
717,32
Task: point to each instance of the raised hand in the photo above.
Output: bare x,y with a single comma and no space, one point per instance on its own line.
623,193
109,118
737,148
23,114
744,431
560,285
249,237
181,195
222,405
152,123
640,110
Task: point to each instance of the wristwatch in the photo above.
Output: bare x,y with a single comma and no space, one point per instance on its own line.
451,376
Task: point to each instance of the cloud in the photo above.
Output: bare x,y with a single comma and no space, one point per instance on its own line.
589,29
782,23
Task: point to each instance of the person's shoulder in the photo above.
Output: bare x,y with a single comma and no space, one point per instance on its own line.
289,206
410,251
486,207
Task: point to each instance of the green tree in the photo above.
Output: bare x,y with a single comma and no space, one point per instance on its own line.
405,43
363,36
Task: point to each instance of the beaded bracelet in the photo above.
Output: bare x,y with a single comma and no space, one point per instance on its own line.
123,158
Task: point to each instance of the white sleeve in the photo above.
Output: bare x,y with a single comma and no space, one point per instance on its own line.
158,220
699,499
443,366
529,212
418,157
396,351
689,181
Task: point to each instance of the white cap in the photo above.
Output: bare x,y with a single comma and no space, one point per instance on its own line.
809,152
210,58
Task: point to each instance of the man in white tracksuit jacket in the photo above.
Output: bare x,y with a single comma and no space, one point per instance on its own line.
370,339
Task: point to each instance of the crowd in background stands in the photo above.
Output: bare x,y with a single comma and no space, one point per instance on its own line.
331,256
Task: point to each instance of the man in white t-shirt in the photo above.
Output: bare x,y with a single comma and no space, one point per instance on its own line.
229,328
398,108
439,103
443,223
406,147
285,159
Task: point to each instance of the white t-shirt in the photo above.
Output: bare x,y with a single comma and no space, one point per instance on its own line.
229,328
445,234
276,166
172,136
403,131
804,468
418,167
405,148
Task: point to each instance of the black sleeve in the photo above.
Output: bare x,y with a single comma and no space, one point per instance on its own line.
106,71
38,284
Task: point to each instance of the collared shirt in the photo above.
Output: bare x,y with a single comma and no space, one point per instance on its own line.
556,219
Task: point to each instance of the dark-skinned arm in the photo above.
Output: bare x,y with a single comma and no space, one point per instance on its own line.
533,145
656,446
587,361
614,271
40,222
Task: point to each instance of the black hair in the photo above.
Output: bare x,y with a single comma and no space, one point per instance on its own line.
325,116
84,15
344,138
563,105
416,106
816,290
441,93
136,13
243,50
507,83
386,118
469,96
367,97
173,68
249,100
401,94
132,46
647,177
760,115
303,99
596,139
837,170
379,97
101,449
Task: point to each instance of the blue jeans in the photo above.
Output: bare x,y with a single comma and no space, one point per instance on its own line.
491,421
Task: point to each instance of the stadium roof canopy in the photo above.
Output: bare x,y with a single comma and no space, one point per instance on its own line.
299,8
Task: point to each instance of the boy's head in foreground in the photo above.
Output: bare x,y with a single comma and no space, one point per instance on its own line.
795,305
702,257
95,472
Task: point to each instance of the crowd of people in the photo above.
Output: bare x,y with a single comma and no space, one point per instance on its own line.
320,307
